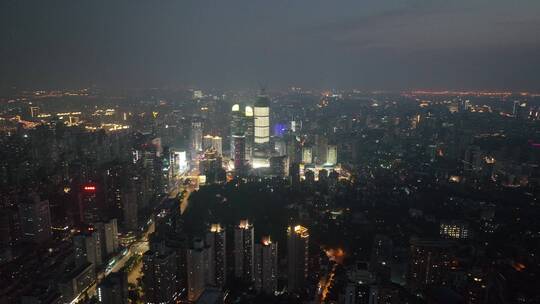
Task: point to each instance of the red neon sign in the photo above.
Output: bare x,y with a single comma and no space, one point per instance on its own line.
89,188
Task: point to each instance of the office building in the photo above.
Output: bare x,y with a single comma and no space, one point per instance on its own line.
244,235
261,113
297,257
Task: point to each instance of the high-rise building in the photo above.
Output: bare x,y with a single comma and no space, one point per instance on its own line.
307,154
114,289
35,219
129,210
9,227
294,175
239,142
261,112
159,277
331,154
76,281
266,271
280,146
243,250
320,150
249,132
169,239
34,111
293,150
356,293
237,126
88,249
108,234
214,142
216,240
198,257
211,167
196,138
429,263
179,162
454,229
297,257
279,165
384,294
381,251
90,203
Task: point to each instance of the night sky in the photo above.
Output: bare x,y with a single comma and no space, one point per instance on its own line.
379,44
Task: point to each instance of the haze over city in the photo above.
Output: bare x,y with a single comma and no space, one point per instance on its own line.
389,45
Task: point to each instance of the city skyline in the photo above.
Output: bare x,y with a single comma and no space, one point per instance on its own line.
263,152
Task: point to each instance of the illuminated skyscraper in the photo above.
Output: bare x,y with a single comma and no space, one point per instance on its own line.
196,138
216,240
297,256
90,203
307,154
249,132
243,250
331,154
266,271
237,127
261,112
